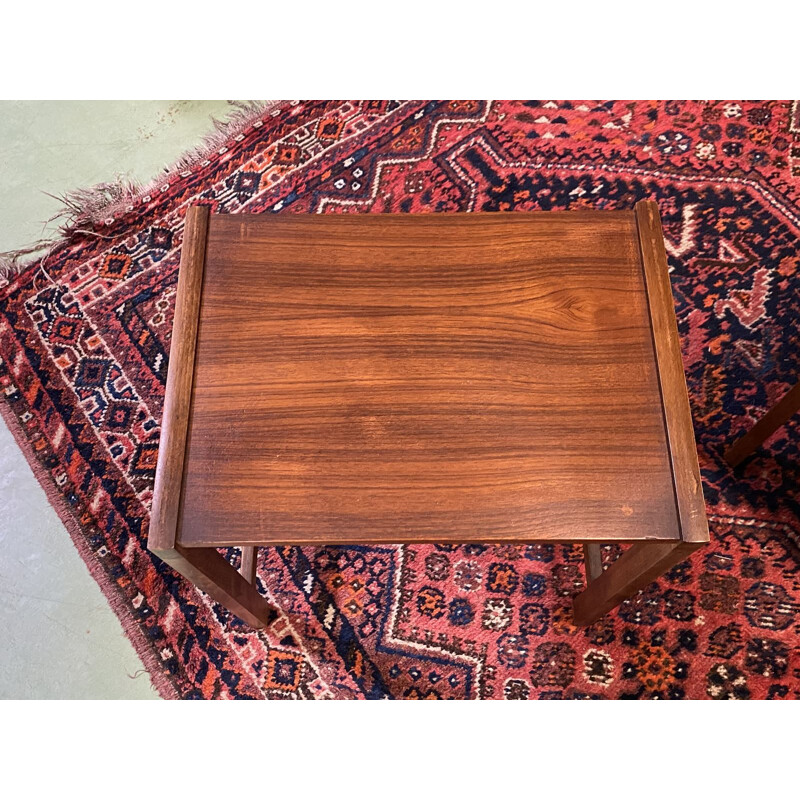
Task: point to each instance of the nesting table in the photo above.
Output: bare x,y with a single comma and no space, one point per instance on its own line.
448,378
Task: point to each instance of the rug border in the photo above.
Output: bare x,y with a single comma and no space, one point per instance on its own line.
130,628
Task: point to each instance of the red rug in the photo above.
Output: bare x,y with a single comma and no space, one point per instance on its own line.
84,343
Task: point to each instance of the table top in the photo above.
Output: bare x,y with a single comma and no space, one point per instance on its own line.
442,378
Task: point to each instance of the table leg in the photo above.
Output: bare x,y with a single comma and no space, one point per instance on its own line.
638,566
777,416
248,567
593,560
209,571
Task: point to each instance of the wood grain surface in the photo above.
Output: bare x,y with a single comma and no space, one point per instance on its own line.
444,378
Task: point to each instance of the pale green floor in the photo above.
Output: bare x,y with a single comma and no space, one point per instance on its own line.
58,636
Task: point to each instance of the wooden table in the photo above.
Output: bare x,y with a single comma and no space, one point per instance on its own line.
505,377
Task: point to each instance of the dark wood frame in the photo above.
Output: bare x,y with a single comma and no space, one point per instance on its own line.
643,562
204,566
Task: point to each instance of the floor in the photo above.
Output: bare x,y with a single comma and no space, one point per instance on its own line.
60,637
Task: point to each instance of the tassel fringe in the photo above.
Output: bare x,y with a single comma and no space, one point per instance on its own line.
86,210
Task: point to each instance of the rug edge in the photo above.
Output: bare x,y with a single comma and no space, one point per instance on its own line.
130,628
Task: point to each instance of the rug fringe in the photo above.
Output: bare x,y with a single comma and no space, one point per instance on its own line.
86,210
14,261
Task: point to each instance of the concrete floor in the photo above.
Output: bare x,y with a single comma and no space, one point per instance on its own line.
60,638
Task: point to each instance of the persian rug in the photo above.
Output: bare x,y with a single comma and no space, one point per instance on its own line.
84,349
